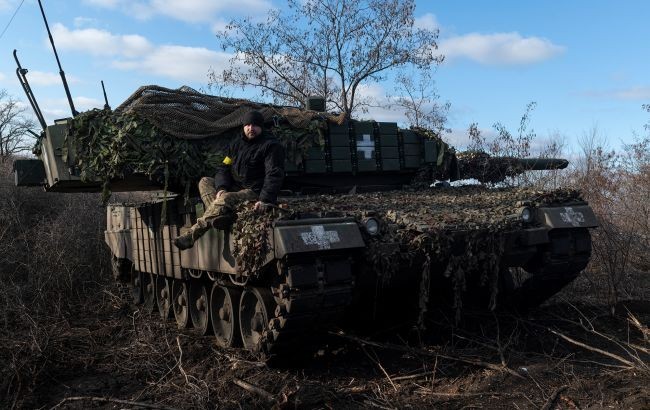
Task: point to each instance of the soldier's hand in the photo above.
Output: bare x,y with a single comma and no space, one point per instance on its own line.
262,206
223,191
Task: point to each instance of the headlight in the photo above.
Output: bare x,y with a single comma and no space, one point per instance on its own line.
371,225
526,215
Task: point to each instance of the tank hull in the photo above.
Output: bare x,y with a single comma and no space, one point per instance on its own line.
320,270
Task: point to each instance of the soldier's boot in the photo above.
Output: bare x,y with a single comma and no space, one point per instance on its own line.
186,241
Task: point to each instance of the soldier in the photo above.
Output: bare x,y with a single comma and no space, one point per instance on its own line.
253,170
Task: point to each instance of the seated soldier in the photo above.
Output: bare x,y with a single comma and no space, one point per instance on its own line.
253,170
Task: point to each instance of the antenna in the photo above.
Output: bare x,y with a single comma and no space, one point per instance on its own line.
21,73
65,83
106,106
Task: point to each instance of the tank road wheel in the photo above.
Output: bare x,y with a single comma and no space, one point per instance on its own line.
199,307
179,303
149,291
224,304
256,307
136,289
163,297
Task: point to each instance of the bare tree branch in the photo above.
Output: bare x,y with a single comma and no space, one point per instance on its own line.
15,127
325,47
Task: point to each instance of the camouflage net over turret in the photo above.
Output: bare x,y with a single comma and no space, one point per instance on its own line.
178,136
425,224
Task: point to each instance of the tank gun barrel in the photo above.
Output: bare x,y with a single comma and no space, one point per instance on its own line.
485,168
540,164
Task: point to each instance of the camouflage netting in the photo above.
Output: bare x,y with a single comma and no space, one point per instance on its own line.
177,136
188,114
425,223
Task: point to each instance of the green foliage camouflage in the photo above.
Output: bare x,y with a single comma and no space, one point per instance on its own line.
297,141
109,145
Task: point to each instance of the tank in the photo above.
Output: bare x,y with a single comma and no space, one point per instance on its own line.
362,231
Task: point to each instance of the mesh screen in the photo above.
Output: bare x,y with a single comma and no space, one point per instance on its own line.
188,114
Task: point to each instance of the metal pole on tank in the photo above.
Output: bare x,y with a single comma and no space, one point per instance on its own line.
65,83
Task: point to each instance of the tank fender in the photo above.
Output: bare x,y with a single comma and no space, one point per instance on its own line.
316,235
569,216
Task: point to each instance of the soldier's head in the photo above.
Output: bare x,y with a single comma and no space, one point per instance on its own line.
253,122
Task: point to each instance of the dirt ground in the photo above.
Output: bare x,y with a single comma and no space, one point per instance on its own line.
109,354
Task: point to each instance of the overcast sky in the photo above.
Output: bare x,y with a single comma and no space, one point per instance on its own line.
585,63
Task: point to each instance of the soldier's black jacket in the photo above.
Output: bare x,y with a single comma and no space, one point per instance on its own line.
257,164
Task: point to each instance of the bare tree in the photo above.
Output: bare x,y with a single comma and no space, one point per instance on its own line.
15,127
325,47
506,144
418,97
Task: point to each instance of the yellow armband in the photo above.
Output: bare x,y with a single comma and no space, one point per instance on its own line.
227,161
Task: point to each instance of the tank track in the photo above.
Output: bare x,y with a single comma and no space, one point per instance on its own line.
312,296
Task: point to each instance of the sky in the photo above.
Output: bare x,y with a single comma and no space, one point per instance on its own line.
586,64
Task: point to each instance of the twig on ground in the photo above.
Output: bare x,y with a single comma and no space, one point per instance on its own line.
551,400
426,391
414,376
593,349
408,349
645,331
376,361
433,393
254,389
110,400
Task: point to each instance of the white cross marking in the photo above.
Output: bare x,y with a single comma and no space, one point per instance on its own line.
367,146
572,217
319,236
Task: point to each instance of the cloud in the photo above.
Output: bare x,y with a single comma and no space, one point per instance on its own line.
379,111
6,5
86,103
633,93
192,11
636,93
427,21
457,138
136,53
53,113
177,62
109,4
43,78
499,48
219,25
100,42
58,107
84,21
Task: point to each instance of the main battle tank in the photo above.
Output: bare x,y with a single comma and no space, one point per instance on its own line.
361,228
